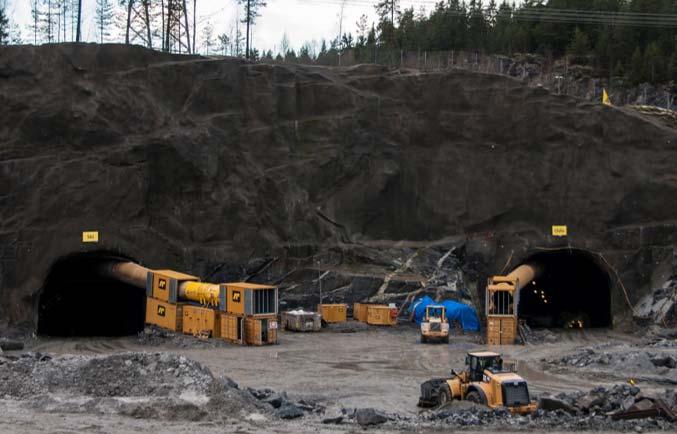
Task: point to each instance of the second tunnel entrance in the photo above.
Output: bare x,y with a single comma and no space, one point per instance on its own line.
573,290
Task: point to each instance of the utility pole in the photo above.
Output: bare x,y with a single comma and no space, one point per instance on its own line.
340,44
79,33
249,18
392,13
194,22
185,19
319,279
129,21
147,18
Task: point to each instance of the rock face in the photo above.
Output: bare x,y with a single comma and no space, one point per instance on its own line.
225,169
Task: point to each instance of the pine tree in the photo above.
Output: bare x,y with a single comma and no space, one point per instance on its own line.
251,12
4,26
284,44
387,11
36,17
304,54
224,43
637,66
653,59
580,45
48,20
105,10
208,37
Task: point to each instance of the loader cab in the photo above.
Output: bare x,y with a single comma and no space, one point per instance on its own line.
435,312
478,362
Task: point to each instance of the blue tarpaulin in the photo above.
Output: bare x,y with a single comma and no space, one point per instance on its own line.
456,311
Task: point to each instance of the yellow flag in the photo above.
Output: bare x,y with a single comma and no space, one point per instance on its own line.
605,97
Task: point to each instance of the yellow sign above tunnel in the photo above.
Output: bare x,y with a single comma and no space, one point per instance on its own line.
90,237
559,231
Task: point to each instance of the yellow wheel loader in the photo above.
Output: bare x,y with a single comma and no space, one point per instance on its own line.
435,325
485,381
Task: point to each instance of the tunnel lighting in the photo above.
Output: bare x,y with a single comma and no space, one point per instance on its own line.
535,292
533,282
545,301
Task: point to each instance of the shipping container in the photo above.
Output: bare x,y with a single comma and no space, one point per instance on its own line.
163,314
501,330
301,321
232,328
360,312
381,315
201,321
333,313
163,285
248,299
260,331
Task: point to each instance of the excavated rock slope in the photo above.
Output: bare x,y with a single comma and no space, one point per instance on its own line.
192,163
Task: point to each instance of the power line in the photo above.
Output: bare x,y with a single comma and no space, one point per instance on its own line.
564,16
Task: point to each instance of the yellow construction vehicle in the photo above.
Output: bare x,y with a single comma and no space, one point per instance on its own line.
485,381
435,325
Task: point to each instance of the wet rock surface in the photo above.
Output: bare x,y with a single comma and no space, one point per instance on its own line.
368,416
313,169
659,306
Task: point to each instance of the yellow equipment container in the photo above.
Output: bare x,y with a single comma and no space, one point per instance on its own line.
502,299
260,331
232,328
333,312
360,312
201,321
381,315
163,314
164,284
249,299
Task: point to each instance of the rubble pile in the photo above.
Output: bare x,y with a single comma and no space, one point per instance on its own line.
593,410
141,385
660,306
536,336
659,365
157,336
126,374
284,407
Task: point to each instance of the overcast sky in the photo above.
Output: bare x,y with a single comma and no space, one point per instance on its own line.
301,20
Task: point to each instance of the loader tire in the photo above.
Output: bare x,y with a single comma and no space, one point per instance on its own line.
474,396
445,339
424,339
444,395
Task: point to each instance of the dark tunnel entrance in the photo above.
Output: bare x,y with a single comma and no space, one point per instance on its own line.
572,291
76,300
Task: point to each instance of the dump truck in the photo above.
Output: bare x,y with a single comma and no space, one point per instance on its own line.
435,325
485,381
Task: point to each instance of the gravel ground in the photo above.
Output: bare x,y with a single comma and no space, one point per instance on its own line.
325,381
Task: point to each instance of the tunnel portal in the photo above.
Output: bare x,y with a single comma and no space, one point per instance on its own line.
573,290
77,300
